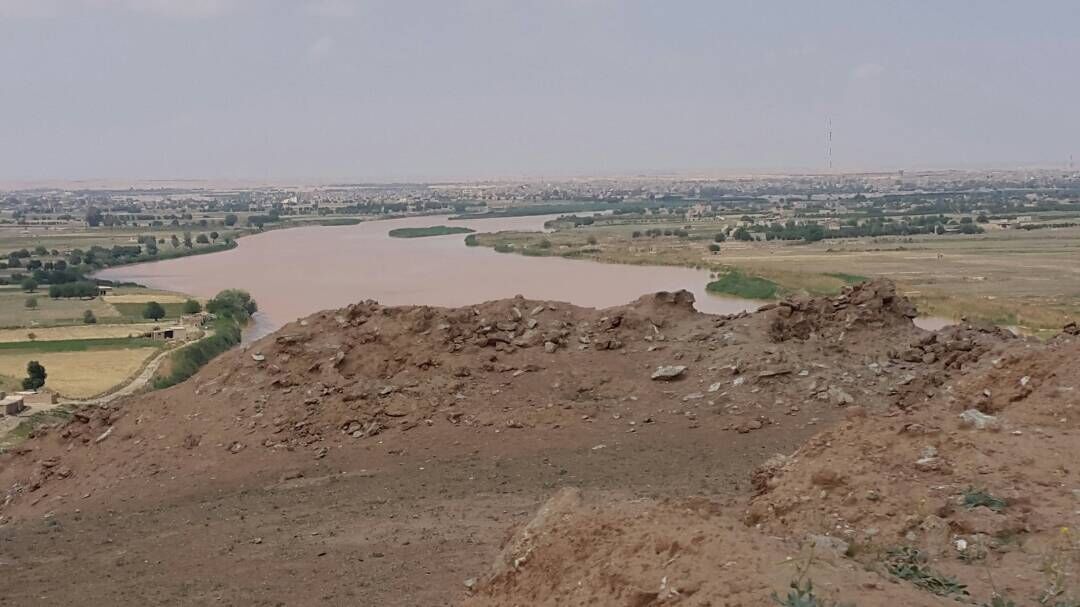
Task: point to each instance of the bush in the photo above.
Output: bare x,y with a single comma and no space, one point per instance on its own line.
233,303
153,310
73,289
31,303
29,285
35,376
186,361
715,248
192,306
89,318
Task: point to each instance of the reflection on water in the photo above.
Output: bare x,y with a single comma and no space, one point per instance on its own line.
295,272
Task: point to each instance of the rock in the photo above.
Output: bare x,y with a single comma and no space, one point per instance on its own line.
236,447
516,552
536,310
715,387
550,347
973,418
104,435
257,357
831,548
668,372
839,397
470,584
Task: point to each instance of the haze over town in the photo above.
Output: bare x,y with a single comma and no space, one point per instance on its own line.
323,90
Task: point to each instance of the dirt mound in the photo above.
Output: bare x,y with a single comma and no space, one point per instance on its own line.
684,551
507,399
967,496
867,305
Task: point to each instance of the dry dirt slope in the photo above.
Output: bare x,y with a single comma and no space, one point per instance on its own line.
381,452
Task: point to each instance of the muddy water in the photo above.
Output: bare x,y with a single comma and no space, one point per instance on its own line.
295,272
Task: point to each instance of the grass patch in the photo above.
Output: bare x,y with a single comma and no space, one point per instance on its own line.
909,564
741,285
77,345
428,231
851,279
973,498
35,420
135,310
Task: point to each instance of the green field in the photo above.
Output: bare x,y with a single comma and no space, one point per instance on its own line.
79,345
741,285
428,231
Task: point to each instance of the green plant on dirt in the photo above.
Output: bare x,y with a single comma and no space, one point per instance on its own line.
801,589
802,594
973,498
999,601
909,564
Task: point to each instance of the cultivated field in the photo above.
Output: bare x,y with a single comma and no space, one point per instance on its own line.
97,331
80,374
1014,277
14,313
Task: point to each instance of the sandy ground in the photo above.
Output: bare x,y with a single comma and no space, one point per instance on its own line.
387,456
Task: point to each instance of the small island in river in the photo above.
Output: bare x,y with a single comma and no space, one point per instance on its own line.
428,231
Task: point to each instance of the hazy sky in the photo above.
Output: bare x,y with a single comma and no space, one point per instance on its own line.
397,89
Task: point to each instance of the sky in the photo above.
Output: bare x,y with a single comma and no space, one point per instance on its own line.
378,90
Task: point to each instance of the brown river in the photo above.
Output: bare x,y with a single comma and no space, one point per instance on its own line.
298,271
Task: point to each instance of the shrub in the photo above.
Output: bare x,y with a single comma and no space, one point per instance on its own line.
192,306
29,285
35,376
153,311
89,318
31,303
186,361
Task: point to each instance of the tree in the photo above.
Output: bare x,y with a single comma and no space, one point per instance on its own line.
232,303
29,285
153,311
202,239
719,237
230,219
89,318
93,217
742,234
31,303
715,248
175,241
187,239
192,306
35,376
591,240
40,251
214,236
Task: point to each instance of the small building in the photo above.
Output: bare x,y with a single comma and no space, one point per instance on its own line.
12,405
104,290
173,333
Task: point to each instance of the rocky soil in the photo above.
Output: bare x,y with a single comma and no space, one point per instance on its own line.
386,456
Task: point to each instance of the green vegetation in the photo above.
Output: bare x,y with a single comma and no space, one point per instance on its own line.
738,284
428,231
233,308
134,311
78,345
153,311
89,318
802,595
192,306
848,278
909,564
35,376
31,303
973,498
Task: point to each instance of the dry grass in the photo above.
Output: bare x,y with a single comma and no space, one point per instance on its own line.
98,331
140,298
80,374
